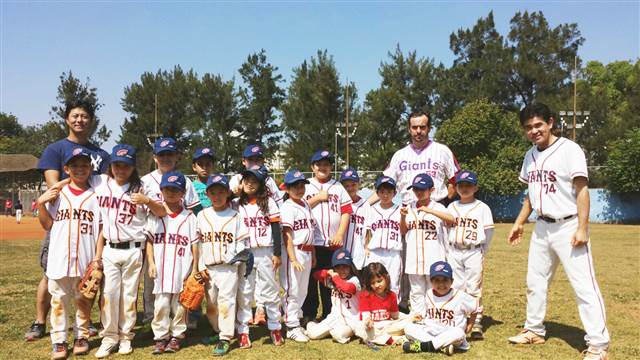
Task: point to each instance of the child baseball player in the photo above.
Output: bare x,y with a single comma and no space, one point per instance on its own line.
262,217
343,281
72,216
449,315
172,253
356,230
202,165
383,243
300,230
424,225
331,206
223,234
469,240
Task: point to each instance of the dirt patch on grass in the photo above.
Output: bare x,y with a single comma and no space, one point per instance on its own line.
28,229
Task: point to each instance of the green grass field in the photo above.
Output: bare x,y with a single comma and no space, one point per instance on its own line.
616,249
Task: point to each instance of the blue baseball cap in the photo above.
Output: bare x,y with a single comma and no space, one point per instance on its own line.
77,151
385,180
421,182
253,150
173,179
293,176
349,174
321,155
202,152
341,256
218,179
165,144
441,268
259,171
467,176
124,153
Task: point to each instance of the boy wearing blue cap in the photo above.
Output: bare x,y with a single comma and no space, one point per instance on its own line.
449,315
202,165
253,155
424,224
356,230
469,239
172,254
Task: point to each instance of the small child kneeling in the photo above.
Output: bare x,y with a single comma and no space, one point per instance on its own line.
444,325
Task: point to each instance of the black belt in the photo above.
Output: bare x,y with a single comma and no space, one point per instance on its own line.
124,245
553,220
466,247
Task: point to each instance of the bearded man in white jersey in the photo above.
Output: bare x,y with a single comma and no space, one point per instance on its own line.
555,171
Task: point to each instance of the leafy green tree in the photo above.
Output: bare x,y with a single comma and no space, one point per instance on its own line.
260,99
33,139
72,89
622,169
488,141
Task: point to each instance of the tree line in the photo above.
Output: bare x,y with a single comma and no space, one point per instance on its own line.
473,103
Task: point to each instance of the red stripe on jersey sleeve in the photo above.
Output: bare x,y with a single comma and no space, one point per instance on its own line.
344,285
346,209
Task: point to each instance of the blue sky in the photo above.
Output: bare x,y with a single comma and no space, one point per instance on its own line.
114,42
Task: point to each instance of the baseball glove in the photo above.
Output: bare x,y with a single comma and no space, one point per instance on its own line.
90,283
193,290
245,256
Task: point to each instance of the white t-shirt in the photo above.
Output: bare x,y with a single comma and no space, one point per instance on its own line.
258,223
222,235
384,225
471,222
276,194
74,234
328,213
301,221
451,310
354,237
151,188
434,159
122,221
426,239
549,175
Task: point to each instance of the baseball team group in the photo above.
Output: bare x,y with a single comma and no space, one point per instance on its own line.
309,253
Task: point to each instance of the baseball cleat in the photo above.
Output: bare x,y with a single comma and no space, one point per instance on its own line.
105,350
36,331
172,346
527,337
448,349
125,347
276,337
158,348
476,332
593,353
297,335
260,317
222,348
59,351
81,346
244,341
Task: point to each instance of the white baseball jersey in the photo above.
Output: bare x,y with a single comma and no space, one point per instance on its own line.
471,221
276,194
425,239
299,218
222,234
172,237
354,237
384,225
434,159
74,234
257,222
122,221
151,188
453,309
328,213
345,305
549,175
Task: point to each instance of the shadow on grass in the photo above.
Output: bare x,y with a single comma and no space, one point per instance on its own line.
572,335
488,321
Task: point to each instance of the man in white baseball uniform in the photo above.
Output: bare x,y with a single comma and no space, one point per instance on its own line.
555,171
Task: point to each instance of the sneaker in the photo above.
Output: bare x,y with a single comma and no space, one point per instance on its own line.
125,347
448,349
527,337
222,348
594,353
93,331
297,335
59,351
276,337
173,345
81,346
260,317
105,350
244,341
476,332
411,347
159,347
36,331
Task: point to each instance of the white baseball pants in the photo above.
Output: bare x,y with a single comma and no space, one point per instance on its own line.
221,292
468,268
295,284
18,216
341,329
382,331
121,278
262,279
63,291
163,325
392,261
420,284
438,335
551,245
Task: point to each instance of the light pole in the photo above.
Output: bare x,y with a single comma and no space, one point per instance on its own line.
574,125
